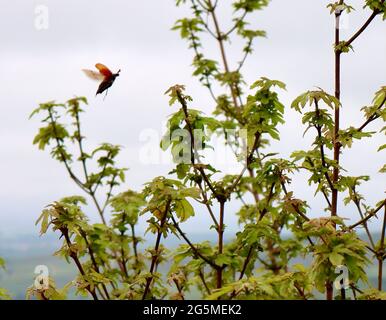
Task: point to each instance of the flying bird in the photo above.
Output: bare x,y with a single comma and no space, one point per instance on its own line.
104,75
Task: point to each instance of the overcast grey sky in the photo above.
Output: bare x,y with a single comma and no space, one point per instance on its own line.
135,36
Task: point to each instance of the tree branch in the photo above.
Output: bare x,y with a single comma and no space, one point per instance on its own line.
192,246
369,216
364,27
74,257
156,251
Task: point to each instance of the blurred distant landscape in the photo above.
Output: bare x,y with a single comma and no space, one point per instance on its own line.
23,253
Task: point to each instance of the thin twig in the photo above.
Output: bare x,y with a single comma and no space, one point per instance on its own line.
220,244
74,257
191,245
373,117
155,255
369,216
364,27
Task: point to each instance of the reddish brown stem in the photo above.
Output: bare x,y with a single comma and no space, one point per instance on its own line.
220,38
74,257
381,253
220,243
155,256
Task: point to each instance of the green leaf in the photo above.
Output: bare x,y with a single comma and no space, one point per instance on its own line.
2,263
336,259
183,209
44,221
223,260
382,147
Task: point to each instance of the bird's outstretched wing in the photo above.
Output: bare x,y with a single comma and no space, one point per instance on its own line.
104,70
94,75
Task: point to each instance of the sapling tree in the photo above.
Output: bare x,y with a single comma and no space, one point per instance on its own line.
258,261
